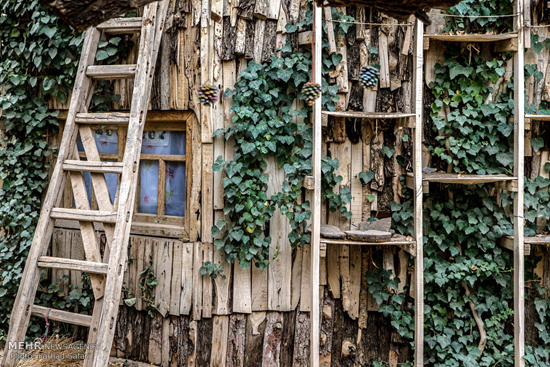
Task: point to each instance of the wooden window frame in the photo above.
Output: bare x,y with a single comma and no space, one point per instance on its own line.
158,225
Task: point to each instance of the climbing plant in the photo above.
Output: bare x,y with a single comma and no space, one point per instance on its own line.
38,62
468,277
271,132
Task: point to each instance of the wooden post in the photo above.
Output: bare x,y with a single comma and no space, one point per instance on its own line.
519,151
316,166
419,258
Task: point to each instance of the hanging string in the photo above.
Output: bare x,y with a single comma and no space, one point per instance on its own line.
480,16
384,24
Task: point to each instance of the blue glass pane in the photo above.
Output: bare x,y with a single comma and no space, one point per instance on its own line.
175,188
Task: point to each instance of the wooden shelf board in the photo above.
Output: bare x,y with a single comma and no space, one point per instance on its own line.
471,37
464,179
369,115
538,240
396,240
538,117
507,242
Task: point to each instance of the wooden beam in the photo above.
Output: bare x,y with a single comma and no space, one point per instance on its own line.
316,205
70,264
63,316
418,197
519,223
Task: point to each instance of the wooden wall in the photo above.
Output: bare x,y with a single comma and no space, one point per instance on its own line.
252,317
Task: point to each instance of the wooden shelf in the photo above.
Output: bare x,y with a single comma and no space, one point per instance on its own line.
466,179
538,117
401,241
471,37
503,42
402,119
508,243
369,115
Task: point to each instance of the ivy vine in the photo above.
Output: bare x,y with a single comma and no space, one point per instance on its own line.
266,126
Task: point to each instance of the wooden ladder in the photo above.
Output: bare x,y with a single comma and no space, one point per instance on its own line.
106,273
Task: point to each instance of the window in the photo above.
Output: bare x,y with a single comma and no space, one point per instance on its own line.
161,194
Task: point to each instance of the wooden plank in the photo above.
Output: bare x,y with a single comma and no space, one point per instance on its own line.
84,215
140,266
240,40
342,67
197,281
280,252
207,284
216,10
220,333
105,118
306,287
62,316
259,288
345,276
206,193
296,278
355,276
417,169
471,37
195,185
384,60
175,283
259,32
111,72
164,275
316,207
356,185
70,264
87,166
330,30
242,289
186,291
222,281
267,9
121,26
509,45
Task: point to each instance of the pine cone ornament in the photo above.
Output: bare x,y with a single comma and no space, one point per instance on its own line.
311,92
208,93
369,76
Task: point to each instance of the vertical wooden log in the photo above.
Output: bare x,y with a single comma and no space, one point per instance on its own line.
254,339
236,340
272,339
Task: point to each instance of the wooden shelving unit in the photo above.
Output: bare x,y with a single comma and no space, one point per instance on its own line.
513,41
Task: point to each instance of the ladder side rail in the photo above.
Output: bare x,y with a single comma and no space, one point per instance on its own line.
31,275
153,26
418,196
519,151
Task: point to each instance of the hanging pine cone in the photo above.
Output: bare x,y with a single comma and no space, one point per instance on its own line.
311,92
208,93
369,76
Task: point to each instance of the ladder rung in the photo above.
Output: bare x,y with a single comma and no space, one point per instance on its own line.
104,118
63,316
121,26
109,72
70,264
87,166
84,215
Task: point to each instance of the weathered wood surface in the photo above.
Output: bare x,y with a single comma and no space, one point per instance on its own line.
81,14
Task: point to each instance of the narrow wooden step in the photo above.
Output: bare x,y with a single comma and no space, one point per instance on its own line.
104,118
70,264
121,26
84,215
110,72
87,166
62,316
